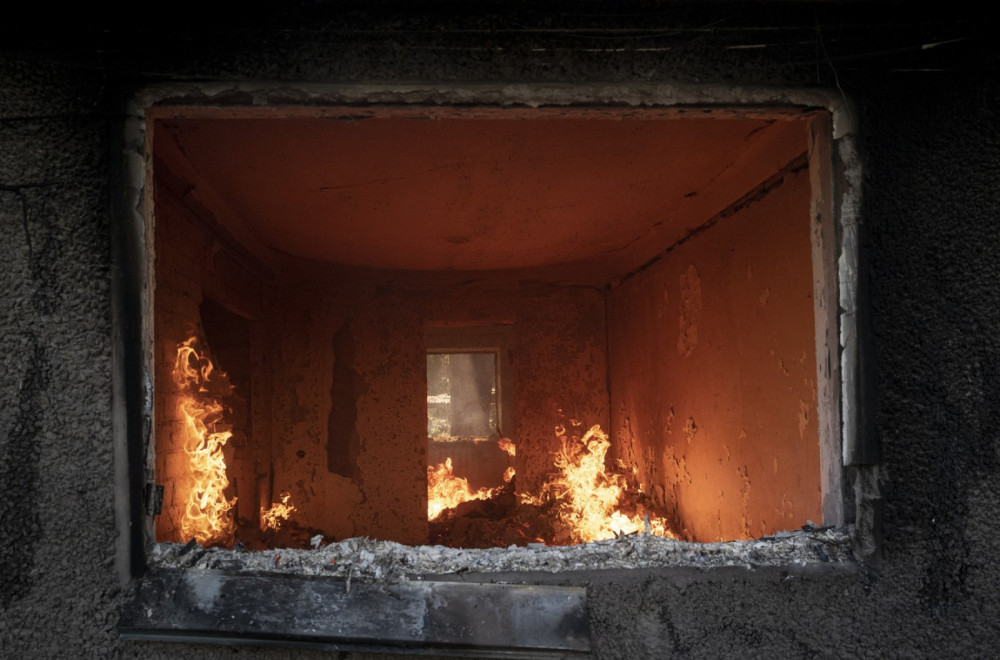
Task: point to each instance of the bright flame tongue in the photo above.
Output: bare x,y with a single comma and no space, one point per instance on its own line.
586,501
446,491
207,517
278,513
589,496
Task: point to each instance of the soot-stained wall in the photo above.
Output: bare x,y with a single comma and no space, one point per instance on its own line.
925,119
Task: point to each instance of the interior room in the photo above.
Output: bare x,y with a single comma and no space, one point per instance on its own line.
645,272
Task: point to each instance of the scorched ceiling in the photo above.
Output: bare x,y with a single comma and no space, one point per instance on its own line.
490,190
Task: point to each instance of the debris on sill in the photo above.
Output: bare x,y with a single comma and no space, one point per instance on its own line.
367,559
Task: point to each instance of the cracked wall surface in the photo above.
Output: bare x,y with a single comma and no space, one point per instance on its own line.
925,120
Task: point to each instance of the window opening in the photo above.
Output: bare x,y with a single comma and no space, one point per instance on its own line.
466,459
461,397
668,344
281,291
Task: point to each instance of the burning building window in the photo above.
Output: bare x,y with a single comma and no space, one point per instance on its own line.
656,289
647,279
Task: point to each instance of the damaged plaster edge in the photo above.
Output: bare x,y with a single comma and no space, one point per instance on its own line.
848,211
370,560
265,94
131,405
860,442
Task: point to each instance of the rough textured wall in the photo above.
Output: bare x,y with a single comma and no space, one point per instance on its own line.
927,119
193,265
349,408
325,331
713,373
57,531
339,413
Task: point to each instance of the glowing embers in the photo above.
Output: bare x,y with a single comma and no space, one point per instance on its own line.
581,501
207,516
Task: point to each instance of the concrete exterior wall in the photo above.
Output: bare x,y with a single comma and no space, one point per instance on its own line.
926,122
713,373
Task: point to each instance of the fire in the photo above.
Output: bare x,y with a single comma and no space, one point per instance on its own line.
508,446
588,496
581,499
278,513
446,491
207,517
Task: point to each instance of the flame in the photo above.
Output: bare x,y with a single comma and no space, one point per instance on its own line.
278,513
207,517
446,491
588,496
507,446
587,500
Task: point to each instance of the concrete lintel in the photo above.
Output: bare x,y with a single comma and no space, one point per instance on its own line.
740,99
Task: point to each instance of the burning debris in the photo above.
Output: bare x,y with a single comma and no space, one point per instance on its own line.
208,516
445,491
581,502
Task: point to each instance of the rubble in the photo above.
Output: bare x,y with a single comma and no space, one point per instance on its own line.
370,560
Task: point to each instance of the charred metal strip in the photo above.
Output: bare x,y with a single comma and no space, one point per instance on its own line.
490,620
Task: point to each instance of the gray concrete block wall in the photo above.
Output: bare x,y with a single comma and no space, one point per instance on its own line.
930,206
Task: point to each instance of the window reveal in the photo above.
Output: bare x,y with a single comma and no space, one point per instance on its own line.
338,371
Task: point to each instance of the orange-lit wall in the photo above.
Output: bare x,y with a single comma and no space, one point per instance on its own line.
558,372
191,264
713,373
557,359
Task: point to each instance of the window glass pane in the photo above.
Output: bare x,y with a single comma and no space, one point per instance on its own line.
461,395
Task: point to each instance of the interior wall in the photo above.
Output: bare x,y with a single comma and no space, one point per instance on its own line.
558,359
192,265
336,343
348,390
339,374
713,373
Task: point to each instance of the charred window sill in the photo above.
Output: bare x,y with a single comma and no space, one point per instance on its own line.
487,620
361,594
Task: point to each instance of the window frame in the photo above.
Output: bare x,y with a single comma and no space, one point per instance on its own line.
836,217
487,338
